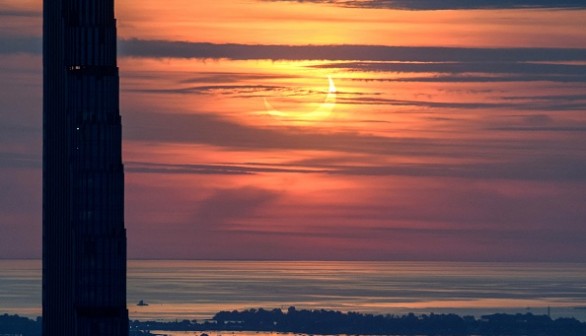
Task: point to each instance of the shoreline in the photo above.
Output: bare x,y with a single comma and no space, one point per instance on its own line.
328,322
576,312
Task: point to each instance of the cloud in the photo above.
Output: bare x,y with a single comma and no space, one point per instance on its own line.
434,59
210,228
445,64
518,160
210,89
225,208
463,71
452,219
20,146
232,77
548,168
564,129
538,119
20,13
20,45
531,105
208,169
421,103
484,78
213,130
20,210
184,49
553,168
210,129
14,159
504,67
446,4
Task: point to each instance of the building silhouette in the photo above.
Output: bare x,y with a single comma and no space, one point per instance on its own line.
84,240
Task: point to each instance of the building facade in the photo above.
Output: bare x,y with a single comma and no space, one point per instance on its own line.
84,239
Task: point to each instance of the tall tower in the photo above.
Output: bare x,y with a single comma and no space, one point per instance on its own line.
84,240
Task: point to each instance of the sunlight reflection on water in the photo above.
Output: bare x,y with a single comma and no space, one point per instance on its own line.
198,289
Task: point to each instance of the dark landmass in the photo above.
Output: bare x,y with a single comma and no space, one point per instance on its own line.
327,322
18,325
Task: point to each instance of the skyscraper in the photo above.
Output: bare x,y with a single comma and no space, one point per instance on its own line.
84,240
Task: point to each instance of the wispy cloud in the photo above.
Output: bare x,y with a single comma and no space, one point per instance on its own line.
499,159
19,13
446,4
210,169
184,49
225,208
489,66
20,45
496,58
436,64
527,105
210,89
232,77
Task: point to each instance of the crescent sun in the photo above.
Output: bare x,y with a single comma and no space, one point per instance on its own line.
321,112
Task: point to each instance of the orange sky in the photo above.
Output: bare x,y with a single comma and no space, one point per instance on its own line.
472,152
257,22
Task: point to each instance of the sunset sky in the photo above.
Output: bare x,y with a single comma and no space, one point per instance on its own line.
448,131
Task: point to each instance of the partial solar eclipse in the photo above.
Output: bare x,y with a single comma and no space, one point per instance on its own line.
321,112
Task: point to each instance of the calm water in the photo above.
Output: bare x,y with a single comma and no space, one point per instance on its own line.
198,289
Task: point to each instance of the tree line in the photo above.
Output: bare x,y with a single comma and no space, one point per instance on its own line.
329,322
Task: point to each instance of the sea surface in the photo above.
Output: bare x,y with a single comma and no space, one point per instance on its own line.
198,289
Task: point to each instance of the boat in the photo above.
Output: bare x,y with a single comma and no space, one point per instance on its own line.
142,303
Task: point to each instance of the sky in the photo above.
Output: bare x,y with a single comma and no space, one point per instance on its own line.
327,129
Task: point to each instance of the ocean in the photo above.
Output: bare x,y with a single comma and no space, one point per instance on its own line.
198,289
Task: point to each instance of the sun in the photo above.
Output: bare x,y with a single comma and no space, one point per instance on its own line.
323,111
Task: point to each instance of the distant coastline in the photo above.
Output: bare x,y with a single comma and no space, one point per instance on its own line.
189,289
329,322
